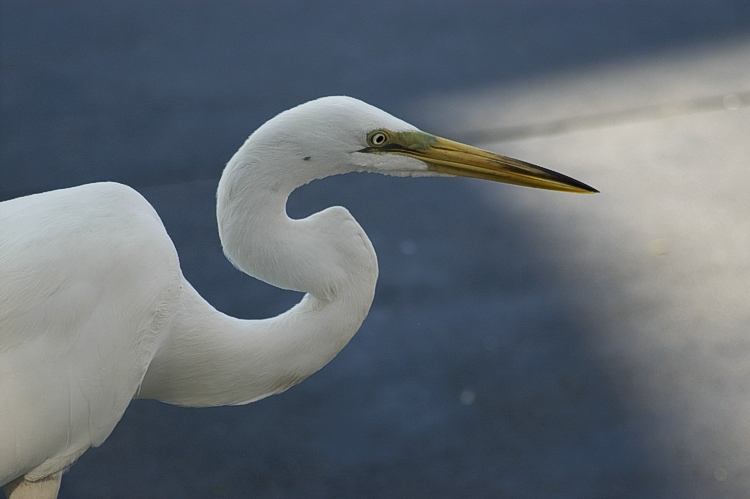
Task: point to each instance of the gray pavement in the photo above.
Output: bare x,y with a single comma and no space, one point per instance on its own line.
522,343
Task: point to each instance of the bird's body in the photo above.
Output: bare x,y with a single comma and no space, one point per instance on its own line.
72,353
94,310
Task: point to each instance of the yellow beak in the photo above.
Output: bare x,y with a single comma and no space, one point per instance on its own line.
454,158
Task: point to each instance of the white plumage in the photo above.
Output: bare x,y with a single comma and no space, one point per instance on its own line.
94,310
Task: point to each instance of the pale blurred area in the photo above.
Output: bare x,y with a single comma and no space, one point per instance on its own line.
657,266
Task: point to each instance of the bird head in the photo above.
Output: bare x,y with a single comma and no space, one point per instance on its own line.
334,135
330,136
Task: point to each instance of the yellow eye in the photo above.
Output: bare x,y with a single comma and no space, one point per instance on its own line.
377,138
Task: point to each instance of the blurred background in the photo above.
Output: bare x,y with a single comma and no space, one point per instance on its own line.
521,343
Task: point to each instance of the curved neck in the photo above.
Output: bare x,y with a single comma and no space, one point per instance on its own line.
211,359
208,358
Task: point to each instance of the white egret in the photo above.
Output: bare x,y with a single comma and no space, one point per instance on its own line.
94,310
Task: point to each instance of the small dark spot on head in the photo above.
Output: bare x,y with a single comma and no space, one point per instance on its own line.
307,158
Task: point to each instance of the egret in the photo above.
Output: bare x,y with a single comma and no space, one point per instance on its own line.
95,311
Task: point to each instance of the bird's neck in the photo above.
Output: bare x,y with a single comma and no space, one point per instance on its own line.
209,358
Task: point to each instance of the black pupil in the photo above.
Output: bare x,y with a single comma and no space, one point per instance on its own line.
379,138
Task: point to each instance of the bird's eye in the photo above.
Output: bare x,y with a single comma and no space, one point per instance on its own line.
377,138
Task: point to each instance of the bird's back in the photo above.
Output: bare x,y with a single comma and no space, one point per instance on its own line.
89,280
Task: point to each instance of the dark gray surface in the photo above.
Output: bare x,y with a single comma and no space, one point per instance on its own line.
471,299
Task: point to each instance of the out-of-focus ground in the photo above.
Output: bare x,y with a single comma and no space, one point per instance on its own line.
522,343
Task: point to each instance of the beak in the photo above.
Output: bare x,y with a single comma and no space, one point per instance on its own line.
454,158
